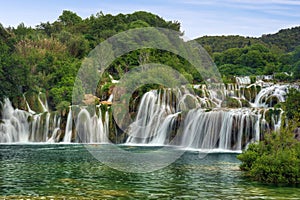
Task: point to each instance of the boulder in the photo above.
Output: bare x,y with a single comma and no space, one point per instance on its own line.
90,99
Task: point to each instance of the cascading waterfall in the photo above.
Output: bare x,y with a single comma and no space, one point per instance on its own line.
156,113
162,135
68,131
204,120
209,125
91,129
153,110
267,94
20,126
44,105
243,80
14,126
223,129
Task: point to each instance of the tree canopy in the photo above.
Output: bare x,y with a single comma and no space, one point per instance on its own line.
47,58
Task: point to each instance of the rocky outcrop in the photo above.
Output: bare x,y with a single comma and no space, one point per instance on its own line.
90,99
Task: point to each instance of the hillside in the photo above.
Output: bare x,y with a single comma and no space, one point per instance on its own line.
286,40
46,58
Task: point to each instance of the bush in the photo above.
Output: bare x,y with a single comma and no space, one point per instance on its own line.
274,160
283,77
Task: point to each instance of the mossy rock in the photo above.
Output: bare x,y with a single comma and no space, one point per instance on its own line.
247,94
245,103
20,103
199,92
258,88
231,103
272,101
32,99
272,113
252,79
190,102
268,115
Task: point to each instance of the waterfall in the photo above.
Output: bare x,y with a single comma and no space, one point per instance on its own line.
91,129
176,116
221,129
53,138
68,131
154,108
27,105
20,126
208,125
14,126
243,80
276,91
162,135
44,106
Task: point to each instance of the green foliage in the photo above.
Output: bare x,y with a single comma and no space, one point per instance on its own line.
63,107
252,79
48,57
269,54
283,77
286,39
69,18
250,60
292,106
296,63
223,43
249,157
276,159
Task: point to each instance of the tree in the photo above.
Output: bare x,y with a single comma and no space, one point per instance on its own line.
69,18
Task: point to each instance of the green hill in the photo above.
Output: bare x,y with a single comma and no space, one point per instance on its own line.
286,40
46,58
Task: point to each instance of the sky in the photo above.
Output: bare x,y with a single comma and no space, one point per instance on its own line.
197,17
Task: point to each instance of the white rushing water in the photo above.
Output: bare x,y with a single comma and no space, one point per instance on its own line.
20,126
202,128
164,117
91,129
69,125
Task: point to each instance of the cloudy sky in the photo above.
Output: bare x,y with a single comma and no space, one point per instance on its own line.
197,17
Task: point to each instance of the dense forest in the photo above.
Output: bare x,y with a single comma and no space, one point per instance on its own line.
46,58
268,54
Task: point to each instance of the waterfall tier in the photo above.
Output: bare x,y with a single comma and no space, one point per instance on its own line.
199,117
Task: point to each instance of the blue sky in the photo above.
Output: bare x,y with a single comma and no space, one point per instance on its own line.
197,17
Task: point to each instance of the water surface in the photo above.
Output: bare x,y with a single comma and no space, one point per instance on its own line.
66,171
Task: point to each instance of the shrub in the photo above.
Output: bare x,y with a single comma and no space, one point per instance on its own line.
274,160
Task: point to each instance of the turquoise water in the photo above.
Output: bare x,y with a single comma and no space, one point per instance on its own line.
70,171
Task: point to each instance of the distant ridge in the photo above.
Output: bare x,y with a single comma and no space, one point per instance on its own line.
285,39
